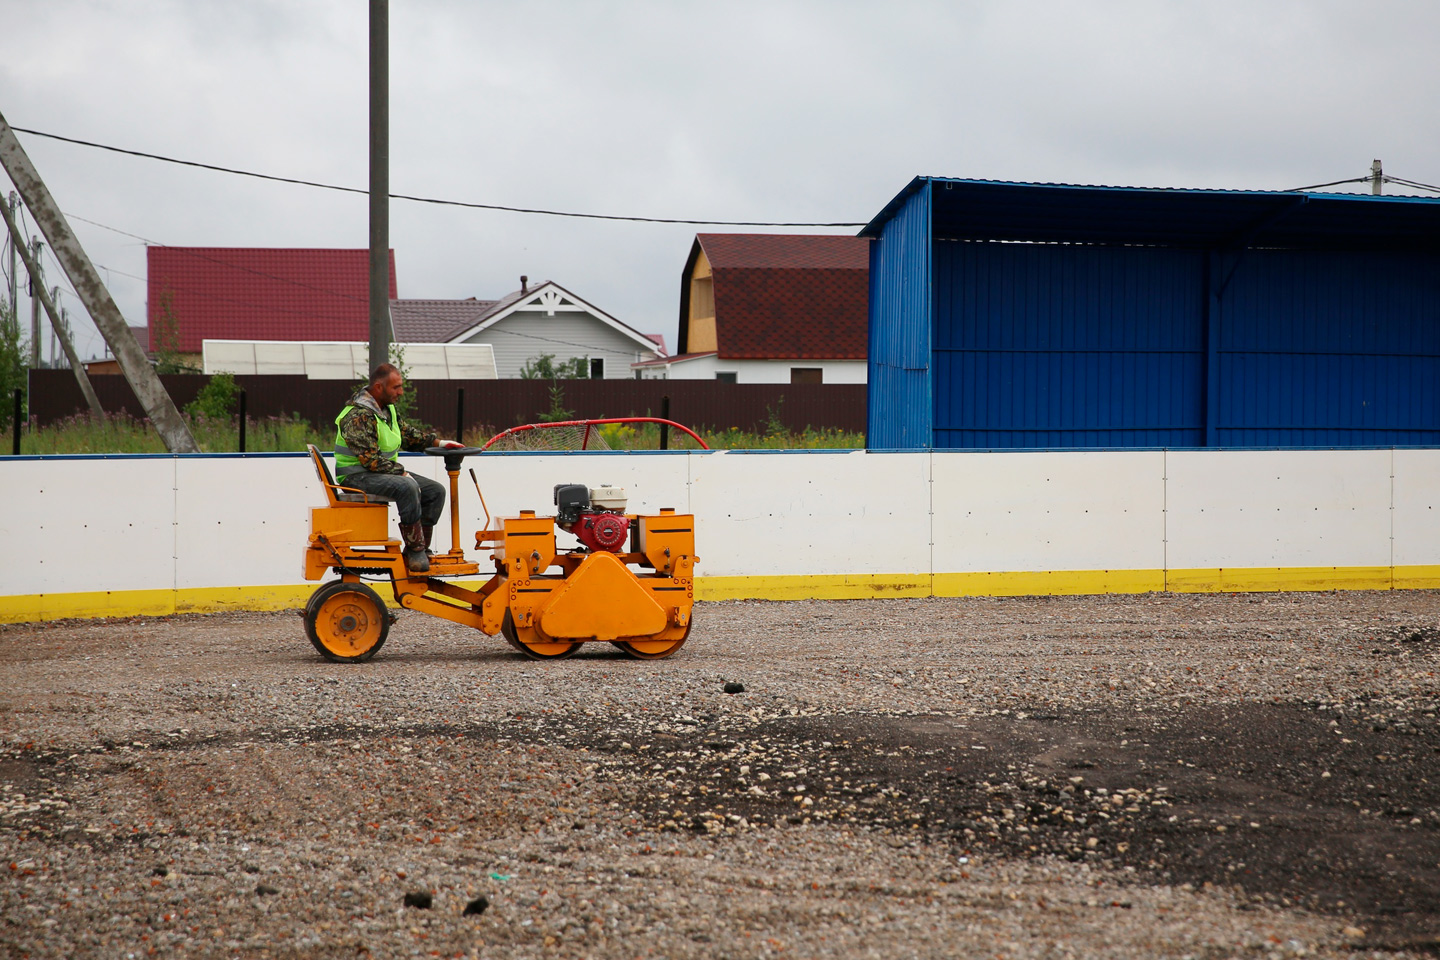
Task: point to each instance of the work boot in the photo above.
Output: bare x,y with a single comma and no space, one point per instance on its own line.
429,530
416,561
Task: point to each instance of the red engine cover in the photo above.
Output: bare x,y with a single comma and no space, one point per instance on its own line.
602,531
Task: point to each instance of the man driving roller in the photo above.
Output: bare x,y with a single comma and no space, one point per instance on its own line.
369,435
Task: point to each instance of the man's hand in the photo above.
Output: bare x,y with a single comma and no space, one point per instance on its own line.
449,444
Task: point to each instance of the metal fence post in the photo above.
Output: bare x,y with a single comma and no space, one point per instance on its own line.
242,421
665,427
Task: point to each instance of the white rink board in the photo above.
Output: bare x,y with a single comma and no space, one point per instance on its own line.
777,514
1049,511
1417,507
76,525
88,524
236,515
1278,508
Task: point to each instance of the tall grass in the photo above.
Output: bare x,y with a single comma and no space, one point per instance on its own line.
122,433
646,436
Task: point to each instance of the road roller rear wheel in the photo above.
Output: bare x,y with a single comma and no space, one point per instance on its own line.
347,622
529,641
653,649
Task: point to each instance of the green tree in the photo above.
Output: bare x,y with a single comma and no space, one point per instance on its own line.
544,367
13,350
217,399
167,338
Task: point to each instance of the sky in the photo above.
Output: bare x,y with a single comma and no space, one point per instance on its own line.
784,110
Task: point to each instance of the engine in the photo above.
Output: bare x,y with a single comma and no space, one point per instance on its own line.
596,517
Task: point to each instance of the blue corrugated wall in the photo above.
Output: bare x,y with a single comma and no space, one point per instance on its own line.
1071,345
1328,349
1045,345
899,335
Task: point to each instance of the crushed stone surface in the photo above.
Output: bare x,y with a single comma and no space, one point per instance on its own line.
1149,776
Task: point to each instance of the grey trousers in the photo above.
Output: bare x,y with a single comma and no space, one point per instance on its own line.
418,498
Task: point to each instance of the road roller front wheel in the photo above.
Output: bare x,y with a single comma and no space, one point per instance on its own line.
642,649
530,642
347,622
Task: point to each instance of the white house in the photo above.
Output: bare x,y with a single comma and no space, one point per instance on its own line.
532,321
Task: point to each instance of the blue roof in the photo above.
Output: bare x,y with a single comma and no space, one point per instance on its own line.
1204,219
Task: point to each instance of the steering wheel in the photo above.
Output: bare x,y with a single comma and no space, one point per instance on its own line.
453,455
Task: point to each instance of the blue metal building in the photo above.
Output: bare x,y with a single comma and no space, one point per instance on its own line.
1020,315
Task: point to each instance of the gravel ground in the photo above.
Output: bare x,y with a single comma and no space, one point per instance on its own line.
1153,776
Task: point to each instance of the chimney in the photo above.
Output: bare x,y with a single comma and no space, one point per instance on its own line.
524,284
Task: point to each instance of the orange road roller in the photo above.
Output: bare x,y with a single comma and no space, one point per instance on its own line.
630,581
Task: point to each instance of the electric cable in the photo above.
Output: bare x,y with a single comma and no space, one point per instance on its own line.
1411,183
1332,183
430,200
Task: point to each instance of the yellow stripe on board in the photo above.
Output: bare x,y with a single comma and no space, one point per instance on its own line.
1026,583
1270,579
850,586
139,603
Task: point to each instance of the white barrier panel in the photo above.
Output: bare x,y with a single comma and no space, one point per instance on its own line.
848,519
1416,520
1301,511
153,534
1049,512
88,524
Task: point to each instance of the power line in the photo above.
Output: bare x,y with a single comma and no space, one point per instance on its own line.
1411,183
431,200
1333,183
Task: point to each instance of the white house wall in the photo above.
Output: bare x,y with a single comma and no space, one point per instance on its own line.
526,334
108,536
759,371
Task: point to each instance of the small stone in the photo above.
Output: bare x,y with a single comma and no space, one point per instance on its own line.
477,906
160,871
419,899
265,890
1353,933
733,687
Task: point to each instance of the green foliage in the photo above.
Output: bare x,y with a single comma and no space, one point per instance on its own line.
217,400
12,372
544,367
774,426
167,338
121,433
557,411
405,406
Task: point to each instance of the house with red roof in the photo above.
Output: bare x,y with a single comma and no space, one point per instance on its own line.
195,294
771,308
322,297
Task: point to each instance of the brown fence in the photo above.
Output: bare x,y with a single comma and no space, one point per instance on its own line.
496,404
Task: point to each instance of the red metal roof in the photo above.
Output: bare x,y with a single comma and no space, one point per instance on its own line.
247,293
780,297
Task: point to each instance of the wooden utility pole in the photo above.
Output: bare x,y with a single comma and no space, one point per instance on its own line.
97,300
48,302
379,182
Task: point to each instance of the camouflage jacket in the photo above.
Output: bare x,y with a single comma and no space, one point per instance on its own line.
359,433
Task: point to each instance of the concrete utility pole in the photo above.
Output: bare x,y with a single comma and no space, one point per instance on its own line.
14,324
37,282
97,300
1375,178
379,182
33,265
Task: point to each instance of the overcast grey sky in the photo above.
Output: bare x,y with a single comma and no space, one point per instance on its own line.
803,110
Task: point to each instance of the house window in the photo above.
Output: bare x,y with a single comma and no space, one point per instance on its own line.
725,377
597,368
807,375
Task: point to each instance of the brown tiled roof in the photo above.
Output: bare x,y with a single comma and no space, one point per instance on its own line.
247,293
436,321
780,250
780,297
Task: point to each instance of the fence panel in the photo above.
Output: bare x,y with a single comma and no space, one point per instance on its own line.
54,395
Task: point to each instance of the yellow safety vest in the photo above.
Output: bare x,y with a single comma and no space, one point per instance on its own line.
387,433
